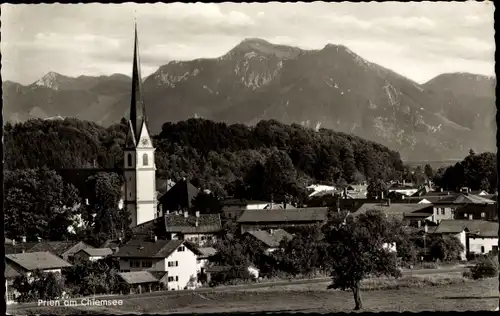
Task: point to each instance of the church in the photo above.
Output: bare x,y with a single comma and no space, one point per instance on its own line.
139,161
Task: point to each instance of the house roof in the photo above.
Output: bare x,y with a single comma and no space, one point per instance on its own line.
10,272
180,196
150,228
207,223
479,228
464,199
55,247
206,252
98,252
240,202
270,240
37,260
158,274
19,247
140,248
316,214
394,208
138,277
279,206
475,208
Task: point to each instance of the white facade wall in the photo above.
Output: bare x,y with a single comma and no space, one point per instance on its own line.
480,245
256,206
200,264
187,267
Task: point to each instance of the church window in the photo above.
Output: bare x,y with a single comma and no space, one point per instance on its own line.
129,160
145,159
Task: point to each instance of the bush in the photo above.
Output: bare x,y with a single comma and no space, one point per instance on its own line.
485,268
429,265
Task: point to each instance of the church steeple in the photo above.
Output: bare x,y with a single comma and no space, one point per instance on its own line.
137,107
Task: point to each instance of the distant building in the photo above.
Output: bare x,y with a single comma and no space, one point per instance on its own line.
62,249
179,198
143,281
200,229
445,208
274,219
270,239
477,236
93,254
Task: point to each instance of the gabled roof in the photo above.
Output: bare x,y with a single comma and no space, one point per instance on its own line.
178,223
311,214
394,208
279,206
140,248
270,240
206,252
138,277
180,196
10,272
98,252
464,199
479,228
19,247
37,260
56,247
241,202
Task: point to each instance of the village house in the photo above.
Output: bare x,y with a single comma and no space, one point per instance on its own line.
202,260
270,240
201,229
404,189
477,236
93,254
412,213
176,257
477,211
25,263
252,220
445,208
244,204
178,198
143,281
63,249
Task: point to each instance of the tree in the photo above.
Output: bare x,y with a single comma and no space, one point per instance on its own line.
445,248
279,175
429,173
376,189
38,204
39,285
357,247
206,203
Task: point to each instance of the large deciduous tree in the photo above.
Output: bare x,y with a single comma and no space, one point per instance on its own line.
38,204
357,246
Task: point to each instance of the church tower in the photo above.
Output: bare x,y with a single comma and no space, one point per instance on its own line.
139,160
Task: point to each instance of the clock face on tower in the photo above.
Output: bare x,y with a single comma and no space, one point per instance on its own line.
145,142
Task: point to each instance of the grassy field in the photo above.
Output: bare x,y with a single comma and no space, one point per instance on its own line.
415,294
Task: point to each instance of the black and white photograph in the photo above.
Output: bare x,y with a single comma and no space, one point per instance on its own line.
193,158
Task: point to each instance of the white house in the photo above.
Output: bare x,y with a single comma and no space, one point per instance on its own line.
93,254
176,257
200,229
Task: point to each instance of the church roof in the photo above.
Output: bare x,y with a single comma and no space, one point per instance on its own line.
130,140
180,196
137,106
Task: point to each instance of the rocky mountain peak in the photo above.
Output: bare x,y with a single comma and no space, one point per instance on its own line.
51,80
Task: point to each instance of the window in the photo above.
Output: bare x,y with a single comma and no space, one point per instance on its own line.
170,279
482,249
465,215
173,263
176,278
135,264
147,264
145,159
129,160
181,248
483,215
442,211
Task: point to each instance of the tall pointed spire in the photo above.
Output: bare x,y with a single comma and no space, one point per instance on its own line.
137,107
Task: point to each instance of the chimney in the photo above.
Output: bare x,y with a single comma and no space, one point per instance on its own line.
167,212
196,223
185,214
197,214
403,181
23,239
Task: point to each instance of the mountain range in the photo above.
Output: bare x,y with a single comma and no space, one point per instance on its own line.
328,88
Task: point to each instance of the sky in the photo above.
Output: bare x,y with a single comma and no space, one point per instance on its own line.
418,40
